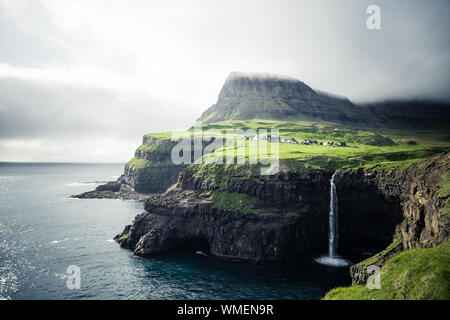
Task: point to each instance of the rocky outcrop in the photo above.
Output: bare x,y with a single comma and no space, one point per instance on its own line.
421,206
152,169
278,229
118,189
186,218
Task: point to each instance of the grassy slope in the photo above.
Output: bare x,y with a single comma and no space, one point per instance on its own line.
412,274
366,147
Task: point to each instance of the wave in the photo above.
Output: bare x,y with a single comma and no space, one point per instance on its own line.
58,241
86,183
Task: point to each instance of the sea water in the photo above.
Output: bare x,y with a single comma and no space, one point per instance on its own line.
43,231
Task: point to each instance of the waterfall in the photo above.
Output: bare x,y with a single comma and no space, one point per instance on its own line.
333,219
332,259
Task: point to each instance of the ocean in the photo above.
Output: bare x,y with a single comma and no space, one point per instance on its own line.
43,232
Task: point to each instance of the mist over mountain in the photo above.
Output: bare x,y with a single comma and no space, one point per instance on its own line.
423,113
247,96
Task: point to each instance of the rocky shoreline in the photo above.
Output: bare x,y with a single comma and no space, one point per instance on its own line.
118,189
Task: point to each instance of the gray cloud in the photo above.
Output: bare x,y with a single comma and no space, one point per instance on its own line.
81,70
49,110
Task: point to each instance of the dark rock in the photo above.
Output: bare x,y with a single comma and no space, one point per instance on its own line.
113,186
113,190
187,218
415,189
376,206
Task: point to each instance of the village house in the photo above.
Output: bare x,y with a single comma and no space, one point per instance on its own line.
274,138
308,142
277,139
269,138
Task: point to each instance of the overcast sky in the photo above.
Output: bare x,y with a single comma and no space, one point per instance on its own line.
84,80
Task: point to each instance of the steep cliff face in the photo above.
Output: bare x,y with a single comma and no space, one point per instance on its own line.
190,219
285,188
234,212
421,204
152,170
266,220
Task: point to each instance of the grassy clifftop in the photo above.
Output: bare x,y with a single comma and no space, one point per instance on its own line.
365,147
413,274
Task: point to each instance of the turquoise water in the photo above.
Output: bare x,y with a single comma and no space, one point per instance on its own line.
43,231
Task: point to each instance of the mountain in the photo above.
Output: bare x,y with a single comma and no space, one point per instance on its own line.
268,96
417,113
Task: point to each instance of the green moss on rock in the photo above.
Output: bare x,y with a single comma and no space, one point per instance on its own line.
233,201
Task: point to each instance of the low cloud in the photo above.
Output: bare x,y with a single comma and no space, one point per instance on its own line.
104,71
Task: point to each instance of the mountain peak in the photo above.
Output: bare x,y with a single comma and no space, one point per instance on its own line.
247,96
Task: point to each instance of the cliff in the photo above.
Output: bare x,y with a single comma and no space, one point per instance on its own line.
422,197
244,216
152,169
233,212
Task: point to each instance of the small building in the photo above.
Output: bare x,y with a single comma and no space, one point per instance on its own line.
309,141
292,140
341,144
274,138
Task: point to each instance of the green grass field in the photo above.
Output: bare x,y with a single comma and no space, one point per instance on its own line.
384,148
